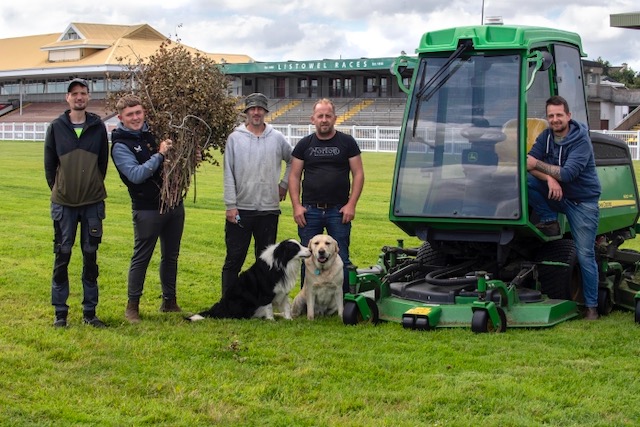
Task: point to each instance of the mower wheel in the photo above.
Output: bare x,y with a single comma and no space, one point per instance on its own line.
481,322
638,311
351,314
605,306
429,256
560,282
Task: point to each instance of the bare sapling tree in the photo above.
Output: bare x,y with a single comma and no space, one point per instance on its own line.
186,98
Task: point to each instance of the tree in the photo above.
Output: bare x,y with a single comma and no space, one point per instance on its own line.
186,97
630,78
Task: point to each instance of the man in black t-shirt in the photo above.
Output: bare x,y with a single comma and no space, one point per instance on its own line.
332,184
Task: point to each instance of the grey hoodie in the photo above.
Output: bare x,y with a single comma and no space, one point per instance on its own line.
253,169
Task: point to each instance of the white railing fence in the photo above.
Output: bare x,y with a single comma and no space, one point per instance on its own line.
15,131
370,138
631,137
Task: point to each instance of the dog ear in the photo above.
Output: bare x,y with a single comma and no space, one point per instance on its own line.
335,242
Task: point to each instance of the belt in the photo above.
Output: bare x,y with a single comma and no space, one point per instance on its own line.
323,205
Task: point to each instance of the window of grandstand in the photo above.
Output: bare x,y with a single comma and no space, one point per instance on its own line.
10,88
303,85
57,86
98,85
383,86
335,87
341,87
370,85
117,84
281,87
33,87
348,87
308,86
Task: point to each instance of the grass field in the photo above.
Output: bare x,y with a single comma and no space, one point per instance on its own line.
165,371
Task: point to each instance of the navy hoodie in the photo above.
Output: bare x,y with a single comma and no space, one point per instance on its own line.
574,154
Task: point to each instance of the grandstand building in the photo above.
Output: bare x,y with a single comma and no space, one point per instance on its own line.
35,70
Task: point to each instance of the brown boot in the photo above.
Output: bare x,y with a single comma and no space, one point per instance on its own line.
169,305
132,313
591,313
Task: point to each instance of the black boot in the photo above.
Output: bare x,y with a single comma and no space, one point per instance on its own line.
61,319
169,305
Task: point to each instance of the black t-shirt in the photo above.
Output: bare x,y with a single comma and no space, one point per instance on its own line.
326,177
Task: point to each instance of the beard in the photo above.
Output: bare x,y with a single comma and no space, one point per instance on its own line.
560,129
325,130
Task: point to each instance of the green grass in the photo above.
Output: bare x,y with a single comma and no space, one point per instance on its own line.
165,371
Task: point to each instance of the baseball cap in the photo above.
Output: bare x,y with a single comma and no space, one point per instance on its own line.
77,81
256,100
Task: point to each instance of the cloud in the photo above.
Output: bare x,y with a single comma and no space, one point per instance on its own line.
283,30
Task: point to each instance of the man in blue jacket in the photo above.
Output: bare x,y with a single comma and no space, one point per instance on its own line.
76,152
563,178
139,159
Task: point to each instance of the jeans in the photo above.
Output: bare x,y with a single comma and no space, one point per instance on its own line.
330,219
65,227
583,219
263,228
148,226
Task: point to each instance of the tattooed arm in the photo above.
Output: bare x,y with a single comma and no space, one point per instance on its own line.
534,165
546,172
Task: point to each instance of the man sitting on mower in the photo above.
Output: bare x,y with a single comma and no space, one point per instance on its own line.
563,178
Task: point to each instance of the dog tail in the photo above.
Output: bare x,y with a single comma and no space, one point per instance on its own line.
213,312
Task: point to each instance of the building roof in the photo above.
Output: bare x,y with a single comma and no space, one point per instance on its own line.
87,46
625,20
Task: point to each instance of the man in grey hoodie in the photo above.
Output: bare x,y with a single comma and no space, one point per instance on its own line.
254,186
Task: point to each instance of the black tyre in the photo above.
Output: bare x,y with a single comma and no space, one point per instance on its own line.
638,311
605,306
561,282
481,322
429,256
351,314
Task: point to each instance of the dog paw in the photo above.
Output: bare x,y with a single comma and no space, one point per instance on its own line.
194,318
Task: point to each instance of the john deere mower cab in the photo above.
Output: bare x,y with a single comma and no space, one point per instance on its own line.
475,105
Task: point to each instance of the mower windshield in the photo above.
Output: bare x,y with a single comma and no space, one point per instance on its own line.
459,154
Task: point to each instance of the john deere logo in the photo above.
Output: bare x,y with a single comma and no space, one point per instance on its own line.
472,157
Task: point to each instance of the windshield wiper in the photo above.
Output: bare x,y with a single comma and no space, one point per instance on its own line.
462,47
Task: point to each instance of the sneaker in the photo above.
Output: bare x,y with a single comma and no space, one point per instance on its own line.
549,228
60,322
94,321
591,313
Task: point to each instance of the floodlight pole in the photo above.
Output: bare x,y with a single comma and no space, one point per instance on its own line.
482,14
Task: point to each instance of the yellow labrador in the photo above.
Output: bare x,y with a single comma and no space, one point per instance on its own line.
321,294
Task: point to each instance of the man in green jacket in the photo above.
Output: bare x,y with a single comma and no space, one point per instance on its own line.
76,152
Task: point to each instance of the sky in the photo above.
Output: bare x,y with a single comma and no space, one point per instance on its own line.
301,30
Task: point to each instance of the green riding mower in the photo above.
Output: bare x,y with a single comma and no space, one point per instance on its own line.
476,102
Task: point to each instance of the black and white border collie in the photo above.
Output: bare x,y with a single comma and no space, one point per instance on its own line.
266,282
